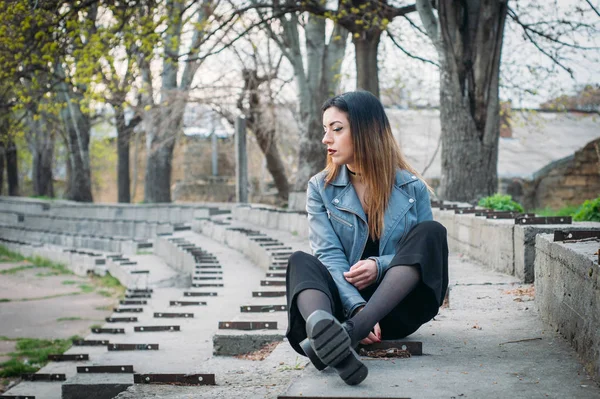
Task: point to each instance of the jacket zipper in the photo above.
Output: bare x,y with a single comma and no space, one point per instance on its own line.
405,227
339,219
367,239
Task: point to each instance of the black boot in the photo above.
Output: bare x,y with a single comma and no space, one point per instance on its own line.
312,356
331,343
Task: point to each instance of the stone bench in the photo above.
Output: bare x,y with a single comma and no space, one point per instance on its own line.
102,243
499,244
567,285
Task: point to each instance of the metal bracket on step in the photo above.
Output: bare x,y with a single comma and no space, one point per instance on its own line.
133,347
175,379
105,369
263,309
156,328
248,325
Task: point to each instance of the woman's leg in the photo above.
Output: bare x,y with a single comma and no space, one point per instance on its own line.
310,287
397,283
421,257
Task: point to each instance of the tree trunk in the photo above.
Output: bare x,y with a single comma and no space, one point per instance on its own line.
468,37
157,182
77,126
367,72
12,171
123,136
317,82
469,164
43,159
2,163
78,134
265,134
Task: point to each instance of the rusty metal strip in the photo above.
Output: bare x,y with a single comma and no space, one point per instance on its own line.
121,319
105,369
263,308
140,272
545,220
272,282
509,215
207,278
200,285
560,235
463,211
175,379
203,272
108,330
248,325
156,328
276,275
128,310
192,293
174,315
277,268
68,358
186,303
133,302
133,347
90,342
43,377
414,347
133,296
140,290
268,294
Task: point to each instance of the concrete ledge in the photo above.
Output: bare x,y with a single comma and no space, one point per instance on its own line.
295,222
80,263
238,344
567,281
499,244
96,386
525,249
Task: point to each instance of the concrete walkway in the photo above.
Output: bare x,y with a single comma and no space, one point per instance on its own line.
490,343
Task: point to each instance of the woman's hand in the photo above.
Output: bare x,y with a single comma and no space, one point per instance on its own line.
373,337
362,274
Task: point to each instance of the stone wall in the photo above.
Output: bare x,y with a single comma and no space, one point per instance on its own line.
568,181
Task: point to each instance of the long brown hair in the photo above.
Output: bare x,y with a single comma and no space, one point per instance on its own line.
377,155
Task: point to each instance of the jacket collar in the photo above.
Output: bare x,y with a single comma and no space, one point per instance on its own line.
348,200
343,177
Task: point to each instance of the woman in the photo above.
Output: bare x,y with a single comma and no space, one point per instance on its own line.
380,263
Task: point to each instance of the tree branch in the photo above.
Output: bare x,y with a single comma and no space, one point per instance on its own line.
430,22
408,53
592,7
528,27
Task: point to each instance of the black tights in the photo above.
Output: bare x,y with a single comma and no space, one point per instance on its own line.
397,283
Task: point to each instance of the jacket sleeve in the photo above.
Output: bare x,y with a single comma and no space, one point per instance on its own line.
424,213
327,247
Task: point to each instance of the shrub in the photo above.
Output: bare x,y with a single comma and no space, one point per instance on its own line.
589,211
500,202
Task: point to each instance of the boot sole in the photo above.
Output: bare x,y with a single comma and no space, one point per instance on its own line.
312,356
331,343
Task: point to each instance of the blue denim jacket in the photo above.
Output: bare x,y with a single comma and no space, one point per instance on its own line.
338,228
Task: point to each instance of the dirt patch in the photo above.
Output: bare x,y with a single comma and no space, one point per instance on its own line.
522,294
260,354
385,353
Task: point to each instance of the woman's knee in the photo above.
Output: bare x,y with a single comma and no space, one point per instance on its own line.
430,227
297,258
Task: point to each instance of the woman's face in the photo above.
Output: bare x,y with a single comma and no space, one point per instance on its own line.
338,138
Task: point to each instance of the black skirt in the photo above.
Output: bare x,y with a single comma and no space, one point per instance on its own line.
424,246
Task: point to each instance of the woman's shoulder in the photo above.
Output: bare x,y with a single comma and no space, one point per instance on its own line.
404,176
319,178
